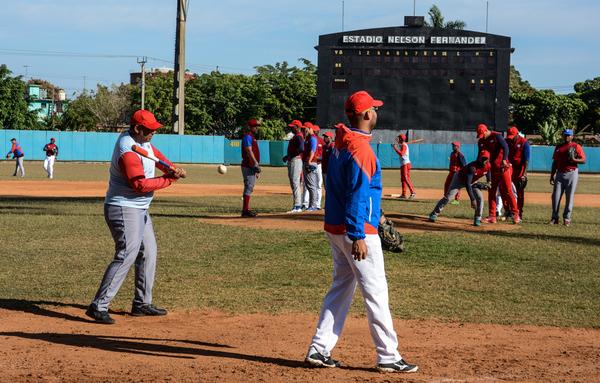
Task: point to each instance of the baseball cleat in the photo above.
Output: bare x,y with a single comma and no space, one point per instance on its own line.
517,220
477,222
313,209
296,209
147,310
432,217
489,219
403,196
248,214
99,316
412,196
319,360
553,221
566,222
399,366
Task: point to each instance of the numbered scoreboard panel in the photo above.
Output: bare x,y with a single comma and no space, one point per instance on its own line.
423,87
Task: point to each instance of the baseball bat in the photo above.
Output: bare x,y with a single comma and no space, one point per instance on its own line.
144,153
415,141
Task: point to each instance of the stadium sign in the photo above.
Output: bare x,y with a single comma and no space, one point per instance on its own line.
433,40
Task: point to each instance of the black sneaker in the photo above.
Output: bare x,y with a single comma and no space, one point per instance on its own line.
319,360
248,214
99,316
399,366
147,310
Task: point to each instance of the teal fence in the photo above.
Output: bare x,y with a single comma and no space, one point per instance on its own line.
93,146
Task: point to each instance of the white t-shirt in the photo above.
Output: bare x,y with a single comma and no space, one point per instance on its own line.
119,192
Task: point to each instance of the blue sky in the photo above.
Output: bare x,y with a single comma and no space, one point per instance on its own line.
556,41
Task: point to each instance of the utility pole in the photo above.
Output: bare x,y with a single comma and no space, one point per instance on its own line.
26,68
343,14
142,63
487,12
414,7
179,72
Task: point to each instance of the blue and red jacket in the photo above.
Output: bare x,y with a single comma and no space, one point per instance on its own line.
249,141
353,199
16,151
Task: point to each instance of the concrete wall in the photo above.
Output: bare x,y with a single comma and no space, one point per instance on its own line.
92,146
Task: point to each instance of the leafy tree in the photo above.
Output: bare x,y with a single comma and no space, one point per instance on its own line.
517,84
14,112
530,110
436,20
589,92
158,97
111,107
78,116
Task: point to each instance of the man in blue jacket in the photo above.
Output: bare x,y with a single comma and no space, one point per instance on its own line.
352,211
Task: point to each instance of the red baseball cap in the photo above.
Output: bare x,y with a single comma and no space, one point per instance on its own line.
484,154
146,119
455,143
481,129
295,123
316,128
253,122
328,134
360,102
402,136
308,124
512,132
52,139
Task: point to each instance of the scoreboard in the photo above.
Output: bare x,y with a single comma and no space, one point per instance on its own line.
429,79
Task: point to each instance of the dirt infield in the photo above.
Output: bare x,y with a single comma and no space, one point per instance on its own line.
55,342
57,188
405,223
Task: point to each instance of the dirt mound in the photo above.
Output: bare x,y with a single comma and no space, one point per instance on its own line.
45,341
313,221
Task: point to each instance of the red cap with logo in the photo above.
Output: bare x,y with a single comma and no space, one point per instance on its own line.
253,122
481,129
512,132
484,154
456,143
328,134
360,102
295,123
402,137
146,119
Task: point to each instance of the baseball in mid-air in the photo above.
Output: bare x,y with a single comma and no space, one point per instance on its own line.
222,169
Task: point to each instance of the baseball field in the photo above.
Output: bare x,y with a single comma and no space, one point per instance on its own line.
496,303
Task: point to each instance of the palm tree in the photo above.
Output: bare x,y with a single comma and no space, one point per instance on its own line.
436,20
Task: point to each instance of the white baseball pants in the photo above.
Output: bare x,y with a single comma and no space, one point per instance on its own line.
369,275
305,196
49,166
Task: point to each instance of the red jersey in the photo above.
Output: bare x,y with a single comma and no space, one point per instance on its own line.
561,156
319,152
248,141
498,148
457,162
518,150
51,149
476,169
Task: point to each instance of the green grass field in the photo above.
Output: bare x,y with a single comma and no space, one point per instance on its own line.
56,249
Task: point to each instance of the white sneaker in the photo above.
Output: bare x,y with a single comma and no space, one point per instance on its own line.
295,210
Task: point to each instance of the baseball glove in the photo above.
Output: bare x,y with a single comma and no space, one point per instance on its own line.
521,183
310,168
391,240
573,153
255,170
482,185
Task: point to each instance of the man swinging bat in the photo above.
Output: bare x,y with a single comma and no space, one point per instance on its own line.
130,190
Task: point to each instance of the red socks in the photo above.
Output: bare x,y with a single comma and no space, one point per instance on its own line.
246,203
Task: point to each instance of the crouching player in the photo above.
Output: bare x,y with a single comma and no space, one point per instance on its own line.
465,178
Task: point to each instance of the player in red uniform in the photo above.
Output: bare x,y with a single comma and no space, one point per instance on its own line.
250,165
402,149
51,153
567,156
501,172
457,162
518,155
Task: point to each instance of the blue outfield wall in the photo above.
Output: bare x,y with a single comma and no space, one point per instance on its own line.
93,146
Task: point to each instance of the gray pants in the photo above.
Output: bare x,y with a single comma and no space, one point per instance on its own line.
457,184
564,183
249,180
134,239
311,182
294,172
19,166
